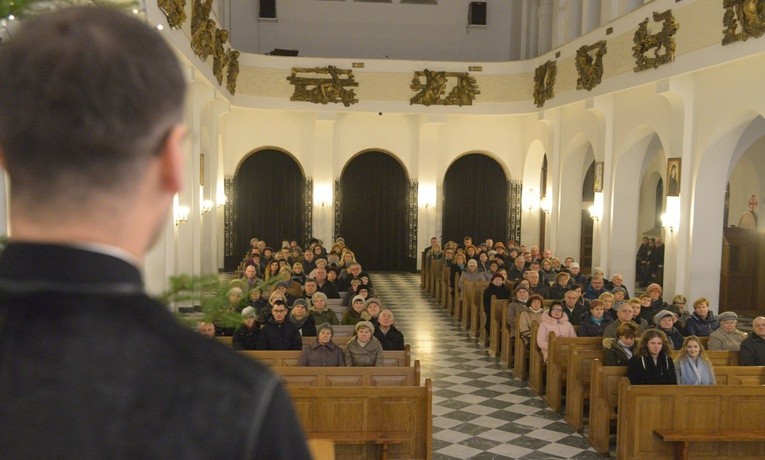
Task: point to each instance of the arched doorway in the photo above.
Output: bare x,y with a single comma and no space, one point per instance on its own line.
373,211
269,201
475,199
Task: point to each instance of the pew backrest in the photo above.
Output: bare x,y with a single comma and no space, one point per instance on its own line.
286,358
349,376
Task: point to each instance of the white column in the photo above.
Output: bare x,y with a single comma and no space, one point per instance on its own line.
545,31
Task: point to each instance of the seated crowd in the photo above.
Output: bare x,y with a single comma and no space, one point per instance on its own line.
636,330
283,297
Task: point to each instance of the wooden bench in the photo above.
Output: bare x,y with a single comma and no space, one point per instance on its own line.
472,306
495,325
682,438
445,289
507,341
604,388
286,358
520,356
456,306
557,364
423,270
369,422
536,363
686,411
349,376
580,362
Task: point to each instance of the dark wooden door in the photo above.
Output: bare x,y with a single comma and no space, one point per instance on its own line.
741,272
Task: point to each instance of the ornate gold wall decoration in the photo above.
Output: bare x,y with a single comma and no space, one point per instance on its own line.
174,11
589,67
544,81
203,40
221,57
233,71
323,90
662,41
432,91
200,13
749,15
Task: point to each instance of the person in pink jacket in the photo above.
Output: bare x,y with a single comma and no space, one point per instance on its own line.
554,321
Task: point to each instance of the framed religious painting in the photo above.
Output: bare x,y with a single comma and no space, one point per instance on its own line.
673,177
598,182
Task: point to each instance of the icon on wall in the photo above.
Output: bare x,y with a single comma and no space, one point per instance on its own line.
673,177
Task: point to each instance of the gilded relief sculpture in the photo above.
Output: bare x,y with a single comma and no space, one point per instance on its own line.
662,43
589,67
200,13
433,90
233,71
221,56
743,19
544,81
322,90
174,11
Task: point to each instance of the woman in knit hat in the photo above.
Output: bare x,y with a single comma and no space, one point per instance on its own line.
364,349
322,351
726,337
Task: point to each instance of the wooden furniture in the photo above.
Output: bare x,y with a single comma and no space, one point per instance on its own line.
521,352
495,325
321,449
445,285
536,363
507,341
557,364
682,438
580,362
349,376
369,422
687,410
285,358
741,272
456,306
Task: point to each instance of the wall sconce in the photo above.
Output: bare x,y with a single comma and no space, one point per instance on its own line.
426,196
531,200
322,194
670,220
545,205
596,210
207,206
180,213
221,200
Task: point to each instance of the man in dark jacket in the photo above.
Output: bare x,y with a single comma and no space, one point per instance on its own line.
752,351
91,135
278,333
573,308
390,338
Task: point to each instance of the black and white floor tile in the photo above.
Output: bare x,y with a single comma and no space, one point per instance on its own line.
480,411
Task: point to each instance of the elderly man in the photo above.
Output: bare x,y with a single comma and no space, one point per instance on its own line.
92,138
320,312
752,351
390,338
595,289
617,281
322,285
573,308
726,337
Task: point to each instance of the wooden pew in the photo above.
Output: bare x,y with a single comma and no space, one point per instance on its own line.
536,363
472,307
435,278
349,376
557,364
648,413
580,362
341,341
507,341
445,286
495,325
285,358
423,269
369,422
521,353
456,306
321,449
604,387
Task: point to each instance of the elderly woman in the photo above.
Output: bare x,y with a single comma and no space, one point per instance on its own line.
356,313
726,337
702,322
373,306
246,335
692,366
678,308
618,351
364,349
390,338
594,322
651,364
301,319
665,321
554,321
320,312
322,351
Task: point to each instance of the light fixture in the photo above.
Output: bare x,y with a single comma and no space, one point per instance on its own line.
207,206
531,200
322,194
426,195
670,219
180,213
544,205
596,210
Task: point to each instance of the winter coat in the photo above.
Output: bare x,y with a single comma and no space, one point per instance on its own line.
325,316
316,354
701,327
528,316
575,315
615,353
369,355
561,327
306,326
690,372
352,317
391,340
279,336
245,338
721,340
674,336
589,328
752,352
641,370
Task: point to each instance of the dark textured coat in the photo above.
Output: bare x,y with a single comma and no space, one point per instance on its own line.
279,336
93,368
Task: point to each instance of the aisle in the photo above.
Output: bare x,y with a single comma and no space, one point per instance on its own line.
479,410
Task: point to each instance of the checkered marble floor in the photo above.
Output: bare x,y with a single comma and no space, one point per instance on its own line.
479,410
